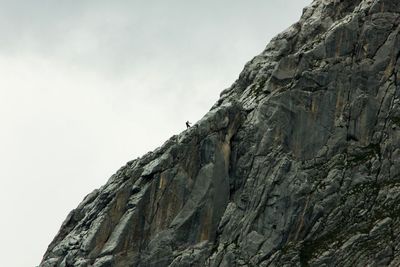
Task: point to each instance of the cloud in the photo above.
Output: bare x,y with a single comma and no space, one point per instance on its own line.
86,86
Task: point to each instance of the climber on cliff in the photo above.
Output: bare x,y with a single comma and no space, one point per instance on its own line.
187,124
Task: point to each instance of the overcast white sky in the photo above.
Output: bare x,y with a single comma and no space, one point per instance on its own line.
86,86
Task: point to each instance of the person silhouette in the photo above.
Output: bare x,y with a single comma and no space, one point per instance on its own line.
187,124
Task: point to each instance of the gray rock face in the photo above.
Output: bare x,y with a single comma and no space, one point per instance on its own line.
297,164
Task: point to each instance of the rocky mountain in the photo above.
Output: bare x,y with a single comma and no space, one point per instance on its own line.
297,164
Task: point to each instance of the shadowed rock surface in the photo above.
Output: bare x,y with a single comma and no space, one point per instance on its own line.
297,164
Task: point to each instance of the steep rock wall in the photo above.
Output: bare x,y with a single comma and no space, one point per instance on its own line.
297,164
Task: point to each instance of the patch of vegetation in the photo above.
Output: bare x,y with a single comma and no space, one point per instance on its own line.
348,225
310,248
334,239
258,87
365,154
396,120
364,188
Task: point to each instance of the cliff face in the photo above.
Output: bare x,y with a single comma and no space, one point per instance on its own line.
297,164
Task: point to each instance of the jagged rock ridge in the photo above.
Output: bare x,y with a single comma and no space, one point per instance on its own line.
297,164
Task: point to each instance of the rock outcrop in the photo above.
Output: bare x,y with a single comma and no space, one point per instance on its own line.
297,164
